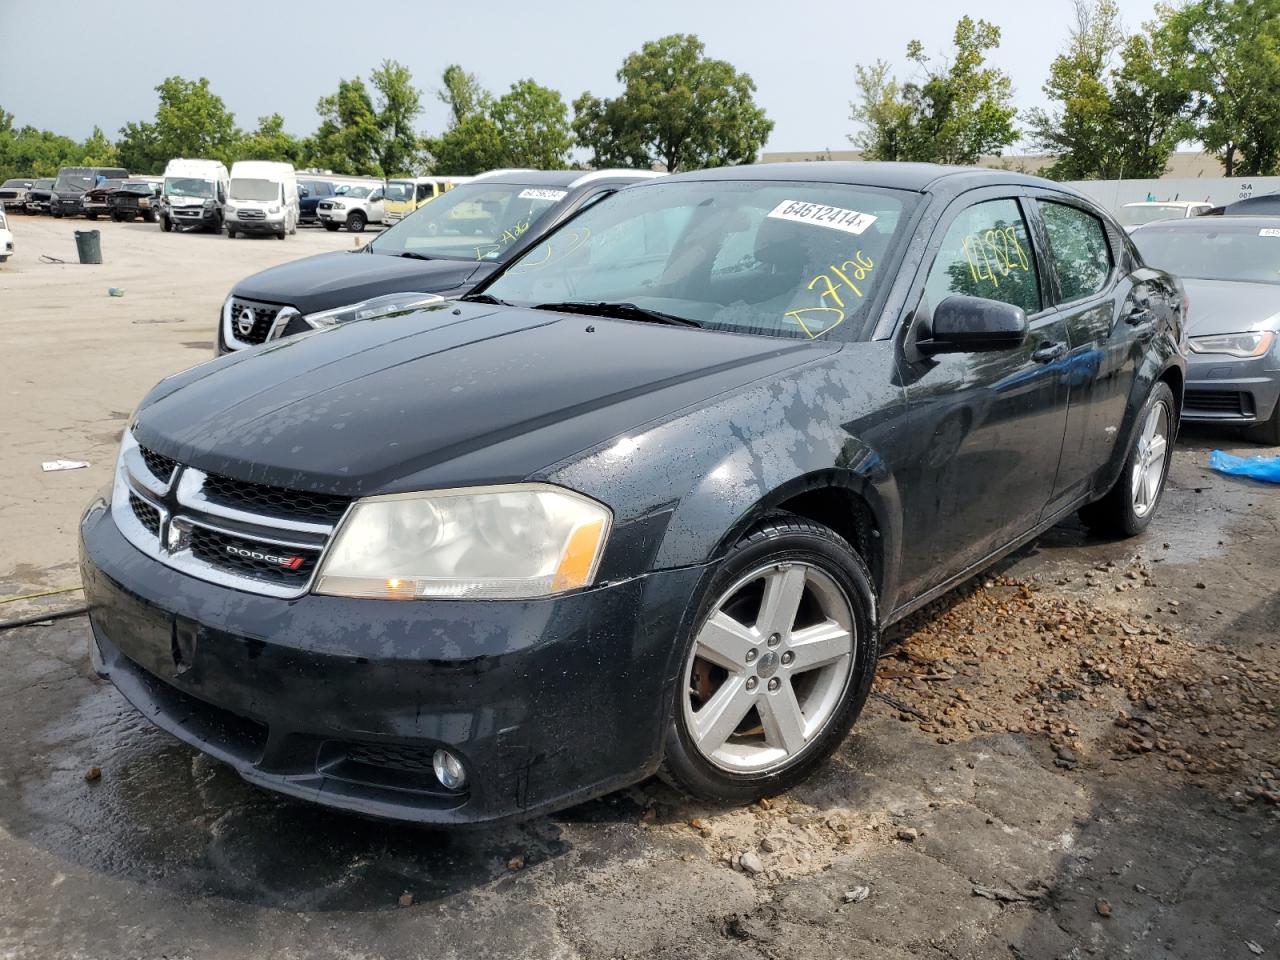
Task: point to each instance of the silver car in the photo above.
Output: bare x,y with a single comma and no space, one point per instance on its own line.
1230,267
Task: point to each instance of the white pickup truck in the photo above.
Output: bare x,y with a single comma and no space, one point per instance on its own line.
354,207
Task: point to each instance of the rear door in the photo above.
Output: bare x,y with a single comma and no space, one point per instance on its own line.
985,428
1093,291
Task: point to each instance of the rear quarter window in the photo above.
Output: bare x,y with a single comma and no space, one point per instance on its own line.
1079,249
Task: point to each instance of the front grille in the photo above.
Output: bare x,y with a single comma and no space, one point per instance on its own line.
1219,402
161,467
126,202
275,501
392,756
147,515
264,314
230,553
324,205
251,215
8,194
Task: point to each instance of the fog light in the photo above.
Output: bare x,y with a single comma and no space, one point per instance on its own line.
448,769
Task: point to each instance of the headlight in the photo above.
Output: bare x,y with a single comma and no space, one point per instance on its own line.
273,209
1242,345
228,209
208,204
377,307
482,543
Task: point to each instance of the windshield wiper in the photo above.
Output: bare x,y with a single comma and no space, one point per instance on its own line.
484,298
619,311
414,256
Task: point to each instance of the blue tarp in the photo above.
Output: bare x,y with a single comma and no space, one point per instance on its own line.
1256,468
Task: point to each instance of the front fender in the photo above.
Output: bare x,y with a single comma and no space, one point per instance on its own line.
683,490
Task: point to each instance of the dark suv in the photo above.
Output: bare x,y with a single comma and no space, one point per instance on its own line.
310,193
441,249
643,502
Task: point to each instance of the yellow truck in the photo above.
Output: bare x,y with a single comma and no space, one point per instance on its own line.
405,196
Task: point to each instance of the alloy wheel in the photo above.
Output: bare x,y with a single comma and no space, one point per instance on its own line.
769,667
1148,462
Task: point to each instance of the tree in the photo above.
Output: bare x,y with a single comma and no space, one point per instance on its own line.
1116,119
270,142
398,105
348,138
526,127
1231,51
462,94
98,151
881,111
677,107
28,152
954,113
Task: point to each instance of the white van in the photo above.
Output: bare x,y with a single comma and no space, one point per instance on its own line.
263,198
6,239
194,195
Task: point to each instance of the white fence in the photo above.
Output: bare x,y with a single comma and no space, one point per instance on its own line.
1114,194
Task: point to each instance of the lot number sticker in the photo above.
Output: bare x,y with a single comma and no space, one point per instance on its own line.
820,215
1269,232
534,193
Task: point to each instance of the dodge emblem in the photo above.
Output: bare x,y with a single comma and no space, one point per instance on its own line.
244,322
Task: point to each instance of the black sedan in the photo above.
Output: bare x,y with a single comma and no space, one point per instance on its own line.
443,248
642,503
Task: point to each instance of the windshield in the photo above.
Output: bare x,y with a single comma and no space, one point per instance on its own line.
399,192
472,222
74,179
356,193
15,183
1151,212
1247,251
43,184
188,187
137,187
108,185
246,189
776,259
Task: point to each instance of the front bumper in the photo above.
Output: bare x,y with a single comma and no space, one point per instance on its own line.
332,216
1222,389
66,207
192,216
15,203
342,702
256,226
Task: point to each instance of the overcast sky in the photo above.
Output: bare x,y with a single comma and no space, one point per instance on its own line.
269,56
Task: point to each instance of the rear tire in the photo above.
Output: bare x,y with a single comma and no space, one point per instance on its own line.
786,730
1128,507
1267,433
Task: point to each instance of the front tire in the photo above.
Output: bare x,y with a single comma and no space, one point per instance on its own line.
356,222
166,224
777,667
1268,432
1130,504
231,234
331,227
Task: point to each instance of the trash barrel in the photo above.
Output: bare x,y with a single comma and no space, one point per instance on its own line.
89,246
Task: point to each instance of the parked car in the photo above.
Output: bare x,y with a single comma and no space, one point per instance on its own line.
71,183
1265,205
195,195
6,238
353,207
642,503
1149,211
443,249
263,198
139,197
1230,267
310,193
13,195
39,195
94,201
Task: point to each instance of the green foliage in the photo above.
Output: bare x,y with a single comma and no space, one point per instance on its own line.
98,151
1116,119
955,113
28,152
399,103
270,142
1230,51
348,138
526,127
677,107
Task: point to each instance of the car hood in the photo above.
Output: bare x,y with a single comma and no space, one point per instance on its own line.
1228,306
336,279
451,395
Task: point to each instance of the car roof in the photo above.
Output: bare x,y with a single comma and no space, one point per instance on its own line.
1214,223
1169,203
918,177
561,178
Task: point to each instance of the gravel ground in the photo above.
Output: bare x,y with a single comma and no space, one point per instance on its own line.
1074,756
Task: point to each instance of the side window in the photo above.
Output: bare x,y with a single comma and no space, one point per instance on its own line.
987,253
1078,245
425,192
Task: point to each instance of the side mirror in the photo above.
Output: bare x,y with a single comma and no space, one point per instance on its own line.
303,192
974,325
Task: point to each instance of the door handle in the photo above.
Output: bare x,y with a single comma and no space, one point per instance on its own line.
1048,352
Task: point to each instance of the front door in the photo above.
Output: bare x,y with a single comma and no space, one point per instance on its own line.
986,427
